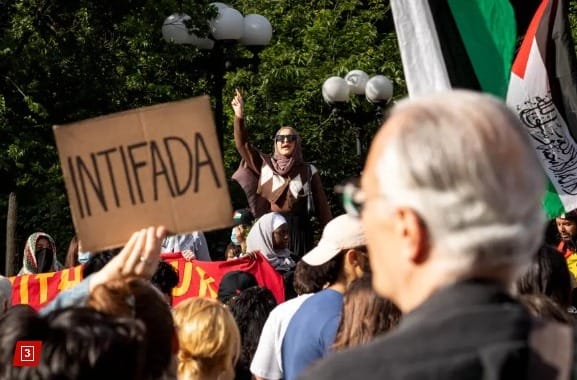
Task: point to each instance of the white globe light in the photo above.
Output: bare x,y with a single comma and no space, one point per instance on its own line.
357,80
228,25
336,90
204,43
379,89
174,30
257,30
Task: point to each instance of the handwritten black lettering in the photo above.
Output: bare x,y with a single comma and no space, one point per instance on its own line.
97,177
179,190
106,154
156,160
200,162
75,185
95,182
136,165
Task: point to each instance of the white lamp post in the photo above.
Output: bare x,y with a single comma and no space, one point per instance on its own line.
378,90
227,28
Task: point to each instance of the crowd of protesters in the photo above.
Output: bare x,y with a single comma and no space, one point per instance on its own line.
441,268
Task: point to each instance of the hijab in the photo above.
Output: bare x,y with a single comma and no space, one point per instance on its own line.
260,238
283,165
39,261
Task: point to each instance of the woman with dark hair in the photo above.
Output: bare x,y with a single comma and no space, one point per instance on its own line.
250,309
138,299
282,182
77,343
548,275
365,315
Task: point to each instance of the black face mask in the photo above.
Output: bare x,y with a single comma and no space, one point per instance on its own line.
44,259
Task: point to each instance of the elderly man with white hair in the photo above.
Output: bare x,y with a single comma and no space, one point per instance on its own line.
450,203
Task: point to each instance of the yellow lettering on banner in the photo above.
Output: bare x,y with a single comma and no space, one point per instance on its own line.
186,279
205,289
24,289
66,282
43,279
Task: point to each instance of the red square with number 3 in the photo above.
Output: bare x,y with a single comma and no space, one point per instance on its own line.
27,353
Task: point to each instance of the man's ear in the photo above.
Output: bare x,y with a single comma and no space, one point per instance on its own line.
414,234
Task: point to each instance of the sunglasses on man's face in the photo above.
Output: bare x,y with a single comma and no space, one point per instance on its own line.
283,138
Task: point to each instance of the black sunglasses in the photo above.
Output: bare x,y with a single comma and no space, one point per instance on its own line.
283,138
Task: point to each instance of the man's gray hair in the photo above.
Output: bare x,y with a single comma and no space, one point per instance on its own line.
462,161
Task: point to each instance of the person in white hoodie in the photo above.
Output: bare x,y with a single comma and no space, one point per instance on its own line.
267,360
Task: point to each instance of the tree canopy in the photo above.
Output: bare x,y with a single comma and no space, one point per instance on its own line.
63,61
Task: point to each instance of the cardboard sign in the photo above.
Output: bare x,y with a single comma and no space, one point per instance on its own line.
158,165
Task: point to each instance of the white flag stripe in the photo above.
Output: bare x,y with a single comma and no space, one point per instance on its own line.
531,98
423,62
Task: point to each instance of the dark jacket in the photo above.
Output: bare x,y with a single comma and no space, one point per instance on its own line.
470,330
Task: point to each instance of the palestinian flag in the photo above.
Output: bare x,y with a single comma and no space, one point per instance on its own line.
471,44
543,90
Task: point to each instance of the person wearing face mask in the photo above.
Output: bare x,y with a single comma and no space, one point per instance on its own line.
280,182
75,255
243,220
39,255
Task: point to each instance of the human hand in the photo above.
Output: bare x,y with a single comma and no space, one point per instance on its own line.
253,255
138,258
188,254
238,104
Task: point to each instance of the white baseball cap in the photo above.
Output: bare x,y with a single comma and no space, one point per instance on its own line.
343,232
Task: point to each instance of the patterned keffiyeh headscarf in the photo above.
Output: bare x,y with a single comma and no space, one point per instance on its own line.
30,262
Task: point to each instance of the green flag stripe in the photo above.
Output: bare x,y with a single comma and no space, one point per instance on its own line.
552,203
489,33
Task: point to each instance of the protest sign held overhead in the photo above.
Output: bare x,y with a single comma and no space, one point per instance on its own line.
158,165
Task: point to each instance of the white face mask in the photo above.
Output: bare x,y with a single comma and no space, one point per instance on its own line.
83,257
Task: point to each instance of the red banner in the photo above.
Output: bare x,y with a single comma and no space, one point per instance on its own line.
196,278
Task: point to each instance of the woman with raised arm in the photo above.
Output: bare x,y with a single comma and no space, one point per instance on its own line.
282,182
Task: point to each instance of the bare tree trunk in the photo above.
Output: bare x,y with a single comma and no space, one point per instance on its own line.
11,236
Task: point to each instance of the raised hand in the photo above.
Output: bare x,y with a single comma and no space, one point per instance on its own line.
238,104
188,254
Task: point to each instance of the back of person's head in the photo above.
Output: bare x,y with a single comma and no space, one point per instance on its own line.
137,298
20,322
79,343
5,294
232,251
165,279
233,283
464,164
250,310
308,278
342,235
98,260
365,315
209,340
539,305
548,275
